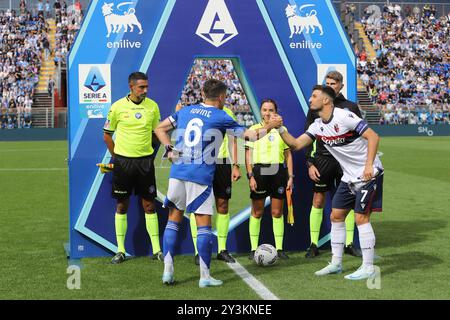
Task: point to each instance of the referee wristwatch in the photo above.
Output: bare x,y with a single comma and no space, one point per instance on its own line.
249,175
168,147
281,129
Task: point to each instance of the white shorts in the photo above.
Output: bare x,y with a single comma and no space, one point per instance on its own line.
190,197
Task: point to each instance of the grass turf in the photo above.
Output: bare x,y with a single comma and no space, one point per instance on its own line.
411,235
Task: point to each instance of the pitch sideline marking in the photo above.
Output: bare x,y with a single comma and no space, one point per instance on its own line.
260,289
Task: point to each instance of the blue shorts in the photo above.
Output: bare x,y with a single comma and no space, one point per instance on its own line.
368,198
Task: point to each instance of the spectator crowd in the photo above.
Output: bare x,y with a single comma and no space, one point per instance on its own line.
409,81
21,44
68,21
204,69
24,44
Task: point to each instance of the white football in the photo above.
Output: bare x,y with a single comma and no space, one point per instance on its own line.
266,255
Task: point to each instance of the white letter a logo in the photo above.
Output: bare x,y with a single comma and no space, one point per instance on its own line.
216,25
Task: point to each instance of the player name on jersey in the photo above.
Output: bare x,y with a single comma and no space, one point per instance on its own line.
201,112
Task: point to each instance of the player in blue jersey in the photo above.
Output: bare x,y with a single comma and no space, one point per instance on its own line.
198,136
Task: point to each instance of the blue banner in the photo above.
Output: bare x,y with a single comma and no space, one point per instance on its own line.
283,49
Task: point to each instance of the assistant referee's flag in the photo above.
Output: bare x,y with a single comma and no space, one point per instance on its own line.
290,217
105,167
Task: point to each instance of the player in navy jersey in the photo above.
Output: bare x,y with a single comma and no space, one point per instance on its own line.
354,145
198,136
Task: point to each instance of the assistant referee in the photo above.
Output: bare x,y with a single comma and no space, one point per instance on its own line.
133,119
266,161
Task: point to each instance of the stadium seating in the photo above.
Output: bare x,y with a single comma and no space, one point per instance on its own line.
409,78
25,44
21,40
223,70
407,82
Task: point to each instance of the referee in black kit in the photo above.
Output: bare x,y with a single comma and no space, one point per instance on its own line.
326,172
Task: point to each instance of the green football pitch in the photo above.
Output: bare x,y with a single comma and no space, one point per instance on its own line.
412,237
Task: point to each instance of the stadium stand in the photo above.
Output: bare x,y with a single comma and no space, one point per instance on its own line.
22,36
68,21
202,70
408,79
62,31
35,38
402,50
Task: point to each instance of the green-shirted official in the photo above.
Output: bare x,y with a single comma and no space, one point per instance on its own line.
133,119
270,172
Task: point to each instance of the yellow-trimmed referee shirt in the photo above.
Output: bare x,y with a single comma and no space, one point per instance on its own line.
269,149
133,124
224,150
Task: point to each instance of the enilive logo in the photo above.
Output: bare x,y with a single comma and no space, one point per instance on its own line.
304,22
216,26
116,23
298,24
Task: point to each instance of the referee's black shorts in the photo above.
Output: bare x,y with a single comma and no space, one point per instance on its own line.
330,173
222,180
136,174
271,181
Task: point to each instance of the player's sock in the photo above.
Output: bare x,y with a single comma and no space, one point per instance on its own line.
315,221
193,224
350,227
204,246
222,223
169,242
151,223
254,227
278,231
367,242
121,231
337,241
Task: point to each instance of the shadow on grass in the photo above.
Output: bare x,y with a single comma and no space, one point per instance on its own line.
408,261
391,234
296,258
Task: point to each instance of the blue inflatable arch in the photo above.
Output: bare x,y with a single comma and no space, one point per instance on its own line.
280,48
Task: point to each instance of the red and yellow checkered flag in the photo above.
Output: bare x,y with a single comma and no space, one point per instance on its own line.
290,217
